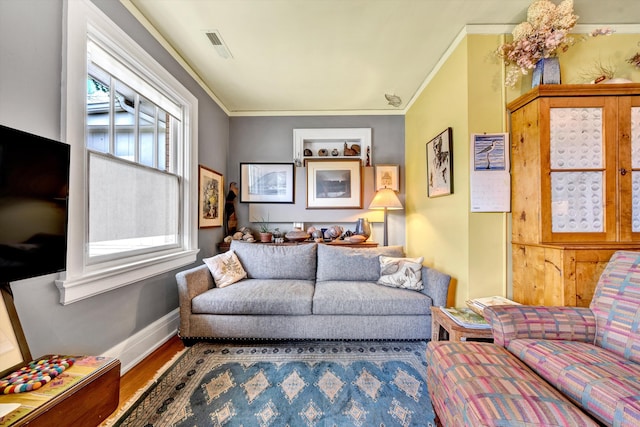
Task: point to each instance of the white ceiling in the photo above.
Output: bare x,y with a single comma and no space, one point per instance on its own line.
333,56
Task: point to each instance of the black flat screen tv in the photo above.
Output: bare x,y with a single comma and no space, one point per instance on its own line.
34,183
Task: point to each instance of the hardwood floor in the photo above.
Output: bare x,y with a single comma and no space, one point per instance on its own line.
138,376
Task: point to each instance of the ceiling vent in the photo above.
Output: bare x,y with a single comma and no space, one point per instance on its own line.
216,40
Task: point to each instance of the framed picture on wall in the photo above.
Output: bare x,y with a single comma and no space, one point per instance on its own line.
490,152
334,184
267,182
210,198
387,176
440,164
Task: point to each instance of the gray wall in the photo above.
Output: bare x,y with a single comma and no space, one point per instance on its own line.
270,139
30,87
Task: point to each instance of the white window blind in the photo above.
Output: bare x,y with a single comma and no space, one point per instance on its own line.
132,208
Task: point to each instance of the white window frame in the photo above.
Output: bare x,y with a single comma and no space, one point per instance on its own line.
82,280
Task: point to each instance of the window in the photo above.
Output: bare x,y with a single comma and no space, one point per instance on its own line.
134,166
134,192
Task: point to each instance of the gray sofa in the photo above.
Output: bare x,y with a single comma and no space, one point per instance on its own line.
307,291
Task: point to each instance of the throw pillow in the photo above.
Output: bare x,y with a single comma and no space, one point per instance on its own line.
225,268
352,264
404,273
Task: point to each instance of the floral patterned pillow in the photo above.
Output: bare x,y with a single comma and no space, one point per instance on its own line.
404,273
225,268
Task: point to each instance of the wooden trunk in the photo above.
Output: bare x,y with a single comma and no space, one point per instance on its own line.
86,403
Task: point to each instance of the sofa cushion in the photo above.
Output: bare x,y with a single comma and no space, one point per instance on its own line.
367,298
403,273
335,263
482,384
602,383
616,305
257,296
277,261
225,269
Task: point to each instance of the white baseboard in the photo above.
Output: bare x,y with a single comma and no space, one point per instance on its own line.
138,346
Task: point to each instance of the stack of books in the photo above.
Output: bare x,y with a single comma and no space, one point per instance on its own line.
465,317
479,304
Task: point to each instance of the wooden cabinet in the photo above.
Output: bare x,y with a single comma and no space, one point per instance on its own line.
575,188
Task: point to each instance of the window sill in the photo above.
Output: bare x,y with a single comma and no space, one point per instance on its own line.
97,282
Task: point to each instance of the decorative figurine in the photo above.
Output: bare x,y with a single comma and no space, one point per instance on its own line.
231,221
349,151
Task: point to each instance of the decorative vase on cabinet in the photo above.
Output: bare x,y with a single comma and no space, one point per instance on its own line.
575,188
546,71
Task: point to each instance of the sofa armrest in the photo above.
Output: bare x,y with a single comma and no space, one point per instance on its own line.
436,285
194,281
191,283
510,322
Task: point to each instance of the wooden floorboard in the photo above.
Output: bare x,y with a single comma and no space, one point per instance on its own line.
140,375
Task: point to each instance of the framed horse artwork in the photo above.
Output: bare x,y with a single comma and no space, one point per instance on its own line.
440,164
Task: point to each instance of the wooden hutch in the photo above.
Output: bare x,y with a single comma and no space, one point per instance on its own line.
575,188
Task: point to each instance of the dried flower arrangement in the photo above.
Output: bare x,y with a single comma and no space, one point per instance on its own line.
635,60
542,35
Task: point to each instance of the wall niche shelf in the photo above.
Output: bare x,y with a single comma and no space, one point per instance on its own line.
331,139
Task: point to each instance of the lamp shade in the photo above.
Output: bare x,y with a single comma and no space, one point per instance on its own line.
385,198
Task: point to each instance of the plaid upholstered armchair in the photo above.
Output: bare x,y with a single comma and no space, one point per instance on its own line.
591,355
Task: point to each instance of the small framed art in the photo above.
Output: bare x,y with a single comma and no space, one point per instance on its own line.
490,152
210,198
387,176
335,184
267,182
440,164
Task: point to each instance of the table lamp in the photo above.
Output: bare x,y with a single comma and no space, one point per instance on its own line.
386,199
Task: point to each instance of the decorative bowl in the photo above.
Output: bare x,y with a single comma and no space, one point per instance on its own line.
356,238
296,235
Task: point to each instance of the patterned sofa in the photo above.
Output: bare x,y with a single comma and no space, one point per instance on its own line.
548,365
308,291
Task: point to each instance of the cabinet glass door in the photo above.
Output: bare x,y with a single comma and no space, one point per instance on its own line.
578,183
635,169
628,169
577,170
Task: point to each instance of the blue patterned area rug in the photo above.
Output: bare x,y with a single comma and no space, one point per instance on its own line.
321,383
